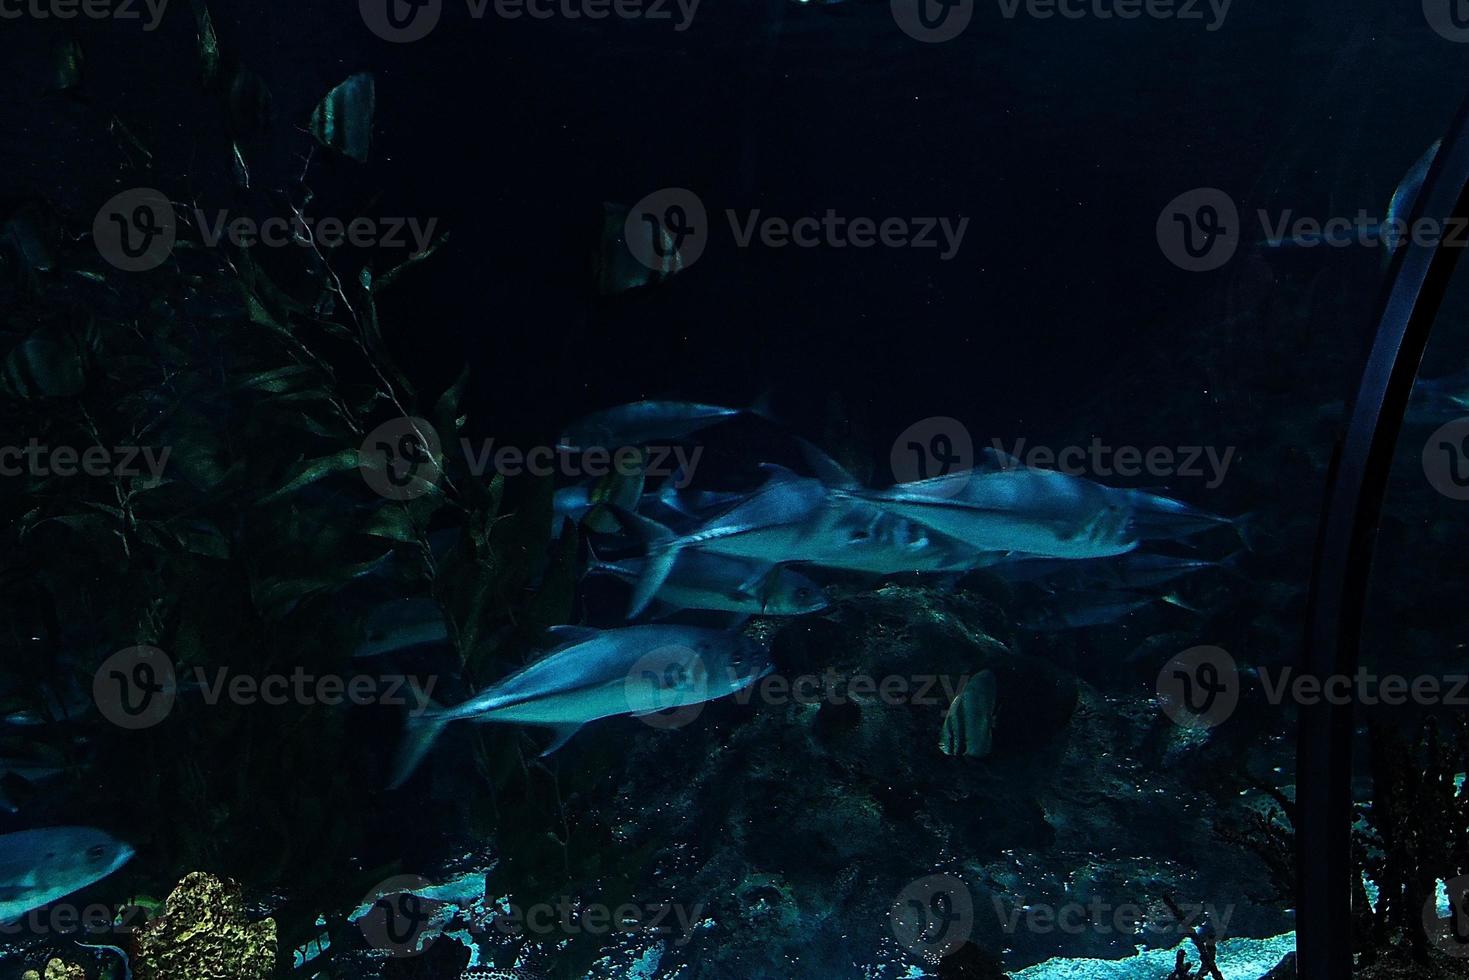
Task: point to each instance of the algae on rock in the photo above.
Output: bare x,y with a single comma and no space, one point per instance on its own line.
203,934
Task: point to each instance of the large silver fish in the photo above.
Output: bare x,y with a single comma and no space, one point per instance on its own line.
716,582
1033,511
799,519
634,670
39,866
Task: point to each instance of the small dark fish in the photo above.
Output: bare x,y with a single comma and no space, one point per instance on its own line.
969,725
1079,610
1135,570
643,423
401,624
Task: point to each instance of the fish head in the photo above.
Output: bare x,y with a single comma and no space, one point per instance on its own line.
697,665
789,593
1112,525
78,856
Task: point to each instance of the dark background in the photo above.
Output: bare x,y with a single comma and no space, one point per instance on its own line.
1060,141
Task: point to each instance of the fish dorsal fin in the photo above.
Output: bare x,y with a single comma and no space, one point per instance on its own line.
778,473
573,634
827,470
992,460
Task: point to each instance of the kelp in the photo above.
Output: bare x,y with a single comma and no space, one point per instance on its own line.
237,554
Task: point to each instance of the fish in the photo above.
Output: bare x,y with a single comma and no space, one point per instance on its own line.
39,866
1399,211
700,580
1078,610
343,120
1019,509
1133,570
796,519
1084,608
616,266
1405,195
969,725
401,624
597,673
1437,400
645,423
29,770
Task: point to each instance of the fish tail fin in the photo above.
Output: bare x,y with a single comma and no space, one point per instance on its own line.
425,723
1177,601
760,408
595,565
1244,527
663,550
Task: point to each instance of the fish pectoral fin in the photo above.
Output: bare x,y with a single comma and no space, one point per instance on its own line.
563,735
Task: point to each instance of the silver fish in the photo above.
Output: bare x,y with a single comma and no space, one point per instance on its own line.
643,423
1134,570
708,581
634,670
39,866
1033,511
799,519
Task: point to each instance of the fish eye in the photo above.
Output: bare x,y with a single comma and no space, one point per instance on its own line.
95,852
859,535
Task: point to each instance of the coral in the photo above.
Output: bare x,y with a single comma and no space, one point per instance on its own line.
203,934
57,970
